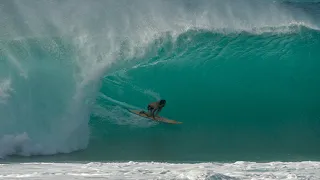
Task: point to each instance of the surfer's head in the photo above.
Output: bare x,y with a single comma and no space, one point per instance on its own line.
162,102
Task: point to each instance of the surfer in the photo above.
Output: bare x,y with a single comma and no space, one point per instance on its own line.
154,107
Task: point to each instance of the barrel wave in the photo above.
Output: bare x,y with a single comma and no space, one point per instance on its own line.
243,77
236,94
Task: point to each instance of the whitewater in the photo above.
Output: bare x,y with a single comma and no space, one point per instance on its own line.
243,77
134,170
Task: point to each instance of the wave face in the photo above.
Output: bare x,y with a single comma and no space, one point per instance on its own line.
243,77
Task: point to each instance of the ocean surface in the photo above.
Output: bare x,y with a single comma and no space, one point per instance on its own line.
243,76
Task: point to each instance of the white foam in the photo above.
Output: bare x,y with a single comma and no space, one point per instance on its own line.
153,170
5,90
18,144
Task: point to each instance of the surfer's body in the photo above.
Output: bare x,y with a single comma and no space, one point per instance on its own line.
154,108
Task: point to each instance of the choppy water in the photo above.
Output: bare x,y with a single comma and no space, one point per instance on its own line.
133,170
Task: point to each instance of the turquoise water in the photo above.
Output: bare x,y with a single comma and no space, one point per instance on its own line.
242,77
236,94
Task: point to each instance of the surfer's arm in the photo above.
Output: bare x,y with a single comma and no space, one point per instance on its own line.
158,111
155,112
152,112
